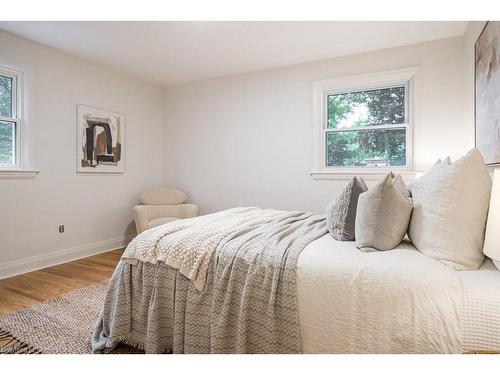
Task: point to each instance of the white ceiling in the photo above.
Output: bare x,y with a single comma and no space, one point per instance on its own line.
168,53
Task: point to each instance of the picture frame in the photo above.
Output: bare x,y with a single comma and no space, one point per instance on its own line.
100,140
487,92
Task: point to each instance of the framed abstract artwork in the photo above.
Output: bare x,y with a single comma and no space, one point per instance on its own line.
487,92
100,146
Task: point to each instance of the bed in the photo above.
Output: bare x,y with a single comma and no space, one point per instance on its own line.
284,285
383,302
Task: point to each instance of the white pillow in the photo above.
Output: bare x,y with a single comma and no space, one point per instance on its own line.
450,206
440,164
492,237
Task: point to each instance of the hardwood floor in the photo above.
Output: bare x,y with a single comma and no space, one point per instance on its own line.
25,290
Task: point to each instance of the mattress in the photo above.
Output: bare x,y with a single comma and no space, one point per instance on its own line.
397,301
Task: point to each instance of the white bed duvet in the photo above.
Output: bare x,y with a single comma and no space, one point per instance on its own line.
397,301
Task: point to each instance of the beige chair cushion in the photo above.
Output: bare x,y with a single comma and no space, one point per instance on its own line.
161,220
163,196
450,209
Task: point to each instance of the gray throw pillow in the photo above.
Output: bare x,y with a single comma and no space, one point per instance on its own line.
383,214
341,213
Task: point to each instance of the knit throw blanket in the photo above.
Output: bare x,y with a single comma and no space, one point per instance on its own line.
220,283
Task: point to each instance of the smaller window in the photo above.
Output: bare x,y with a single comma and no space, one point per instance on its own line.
8,119
14,152
367,128
13,128
363,123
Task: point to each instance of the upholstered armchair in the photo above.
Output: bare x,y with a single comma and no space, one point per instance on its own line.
162,205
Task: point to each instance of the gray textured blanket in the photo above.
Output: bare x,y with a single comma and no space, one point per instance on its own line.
247,303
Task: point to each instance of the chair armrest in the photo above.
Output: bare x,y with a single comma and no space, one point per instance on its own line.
144,213
189,210
141,218
181,211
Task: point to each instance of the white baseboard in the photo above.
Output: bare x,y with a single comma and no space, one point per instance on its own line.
29,264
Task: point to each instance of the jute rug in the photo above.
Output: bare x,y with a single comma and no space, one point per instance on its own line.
62,325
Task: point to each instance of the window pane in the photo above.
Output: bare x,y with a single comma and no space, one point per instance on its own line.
366,148
5,96
7,141
362,108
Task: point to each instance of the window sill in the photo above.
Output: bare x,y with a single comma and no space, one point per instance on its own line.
370,175
17,174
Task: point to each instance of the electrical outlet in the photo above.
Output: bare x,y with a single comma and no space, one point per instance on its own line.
61,228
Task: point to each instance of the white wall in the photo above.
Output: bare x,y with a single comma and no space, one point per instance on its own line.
95,209
247,139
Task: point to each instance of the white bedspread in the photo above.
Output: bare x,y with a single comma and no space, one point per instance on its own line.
397,301
480,312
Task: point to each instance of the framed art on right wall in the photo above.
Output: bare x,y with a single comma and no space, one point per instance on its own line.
487,92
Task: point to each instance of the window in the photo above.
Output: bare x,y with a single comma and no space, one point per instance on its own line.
13,137
8,119
363,124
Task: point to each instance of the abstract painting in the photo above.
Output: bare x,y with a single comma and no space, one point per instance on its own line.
487,88
100,140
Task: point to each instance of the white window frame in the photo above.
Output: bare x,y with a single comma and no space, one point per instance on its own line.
408,77
21,167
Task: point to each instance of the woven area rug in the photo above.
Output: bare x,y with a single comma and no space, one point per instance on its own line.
62,325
